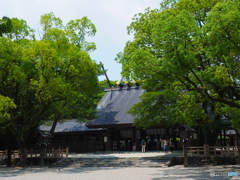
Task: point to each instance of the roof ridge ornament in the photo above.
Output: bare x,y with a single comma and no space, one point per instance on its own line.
105,73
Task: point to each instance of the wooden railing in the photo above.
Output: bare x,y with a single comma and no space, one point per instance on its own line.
3,154
36,153
207,150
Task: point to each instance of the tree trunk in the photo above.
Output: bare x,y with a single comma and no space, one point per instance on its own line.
9,149
56,119
9,156
53,126
185,157
23,156
206,136
200,138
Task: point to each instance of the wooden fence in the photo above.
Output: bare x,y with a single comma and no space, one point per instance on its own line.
36,153
207,150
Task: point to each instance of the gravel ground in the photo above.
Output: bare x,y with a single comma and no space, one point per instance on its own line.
113,173
127,154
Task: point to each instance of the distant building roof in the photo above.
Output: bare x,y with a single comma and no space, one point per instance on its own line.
45,134
184,127
114,105
67,126
230,132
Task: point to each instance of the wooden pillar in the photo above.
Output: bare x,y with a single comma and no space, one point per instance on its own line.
117,138
9,148
9,156
67,152
185,161
228,150
221,139
30,151
206,150
238,141
109,142
87,144
224,133
42,154
236,151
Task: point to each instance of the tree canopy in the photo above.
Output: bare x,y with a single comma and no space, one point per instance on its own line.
46,79
5,25
187,53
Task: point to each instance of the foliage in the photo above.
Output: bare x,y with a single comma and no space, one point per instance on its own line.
51,78
5,25
103,85
6,104
187,53
226,137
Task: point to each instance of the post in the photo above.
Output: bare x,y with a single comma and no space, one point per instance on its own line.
53,155
109,142
228,149
205,150
42,154
185,161
67,152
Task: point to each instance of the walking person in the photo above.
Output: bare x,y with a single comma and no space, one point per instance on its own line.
165,145
143,144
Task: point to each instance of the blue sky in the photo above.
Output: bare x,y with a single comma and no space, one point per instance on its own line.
111,18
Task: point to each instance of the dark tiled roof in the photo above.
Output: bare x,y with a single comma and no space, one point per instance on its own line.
113,107
67,126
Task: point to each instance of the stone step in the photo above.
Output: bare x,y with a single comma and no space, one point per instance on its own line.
112,162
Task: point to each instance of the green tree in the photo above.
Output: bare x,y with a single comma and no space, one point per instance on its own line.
46,79
5,25
6,105
187,50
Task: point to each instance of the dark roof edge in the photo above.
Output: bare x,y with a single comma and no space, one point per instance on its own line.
121,88
110,126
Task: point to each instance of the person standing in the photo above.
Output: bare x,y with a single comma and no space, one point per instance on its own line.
165,145
143,144
134,143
